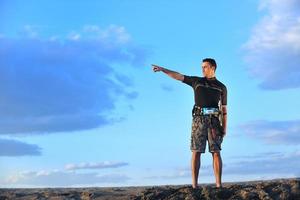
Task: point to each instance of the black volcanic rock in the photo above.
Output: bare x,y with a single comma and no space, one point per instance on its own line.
273,190
269,190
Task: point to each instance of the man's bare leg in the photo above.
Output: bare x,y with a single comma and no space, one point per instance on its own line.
217,165
196,162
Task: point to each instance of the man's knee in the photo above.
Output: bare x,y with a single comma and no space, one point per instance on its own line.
196,154
216,154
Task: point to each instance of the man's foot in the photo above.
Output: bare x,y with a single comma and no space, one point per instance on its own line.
195,186
218,187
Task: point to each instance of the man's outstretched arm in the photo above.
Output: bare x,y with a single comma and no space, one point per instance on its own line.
170,73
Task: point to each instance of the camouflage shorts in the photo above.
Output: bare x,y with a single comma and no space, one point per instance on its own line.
208,128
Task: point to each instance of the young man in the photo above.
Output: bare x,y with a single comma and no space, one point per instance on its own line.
209,116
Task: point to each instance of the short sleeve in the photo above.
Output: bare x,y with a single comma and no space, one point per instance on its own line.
224,95
189,80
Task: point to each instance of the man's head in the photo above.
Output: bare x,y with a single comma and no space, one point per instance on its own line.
209,67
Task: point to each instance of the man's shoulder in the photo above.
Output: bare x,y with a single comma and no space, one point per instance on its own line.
221,84
198,78
192,78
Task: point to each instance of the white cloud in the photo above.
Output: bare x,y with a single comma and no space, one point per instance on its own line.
273,132
113,34
29,31
273,50
73,36
101,165
57,178
265,164
284,165
262,155
183,172
176,174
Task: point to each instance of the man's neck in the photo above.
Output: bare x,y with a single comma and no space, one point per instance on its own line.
211,76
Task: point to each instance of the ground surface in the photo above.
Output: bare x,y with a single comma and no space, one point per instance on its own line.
272,189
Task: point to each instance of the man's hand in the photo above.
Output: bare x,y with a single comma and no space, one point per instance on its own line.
157,68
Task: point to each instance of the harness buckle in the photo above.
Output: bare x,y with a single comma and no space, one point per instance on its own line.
197,110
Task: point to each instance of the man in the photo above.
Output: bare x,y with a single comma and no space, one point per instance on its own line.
209,116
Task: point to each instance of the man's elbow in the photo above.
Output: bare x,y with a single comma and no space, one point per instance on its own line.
180,77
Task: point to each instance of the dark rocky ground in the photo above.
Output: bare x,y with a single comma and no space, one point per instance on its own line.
272,189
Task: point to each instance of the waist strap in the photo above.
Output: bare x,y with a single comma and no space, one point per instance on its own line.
205,111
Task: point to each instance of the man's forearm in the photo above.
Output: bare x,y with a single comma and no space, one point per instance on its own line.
173,74
224,122
224,117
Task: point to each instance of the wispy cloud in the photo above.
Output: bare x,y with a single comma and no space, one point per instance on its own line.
171,175
100,165
9,147
65,84
167,88
273,132
262,155
57,178
262,164
182,172
31,31
113,33
273,50
287,164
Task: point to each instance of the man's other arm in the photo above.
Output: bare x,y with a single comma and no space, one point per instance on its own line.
172,74
224,118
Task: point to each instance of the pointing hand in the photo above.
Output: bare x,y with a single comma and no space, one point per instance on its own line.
157,68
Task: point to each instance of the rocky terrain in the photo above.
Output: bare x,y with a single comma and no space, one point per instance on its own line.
272,189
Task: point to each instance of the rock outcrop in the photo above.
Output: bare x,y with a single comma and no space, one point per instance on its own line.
270,190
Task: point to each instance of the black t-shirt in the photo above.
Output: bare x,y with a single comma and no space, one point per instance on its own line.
207,91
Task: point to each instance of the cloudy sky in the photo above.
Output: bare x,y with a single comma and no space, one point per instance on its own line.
80,105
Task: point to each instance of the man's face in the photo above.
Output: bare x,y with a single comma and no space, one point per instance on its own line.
207,69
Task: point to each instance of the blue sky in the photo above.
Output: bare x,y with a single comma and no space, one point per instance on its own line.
80,105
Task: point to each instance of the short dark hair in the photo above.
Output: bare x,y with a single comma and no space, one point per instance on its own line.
211,61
